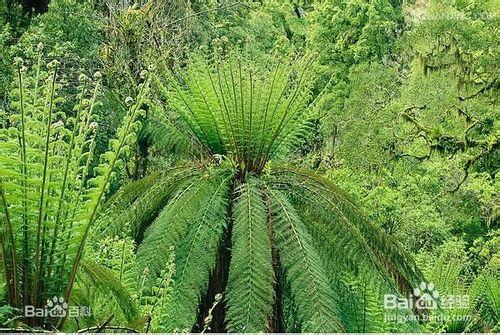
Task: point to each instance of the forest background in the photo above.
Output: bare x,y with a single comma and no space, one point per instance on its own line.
407,121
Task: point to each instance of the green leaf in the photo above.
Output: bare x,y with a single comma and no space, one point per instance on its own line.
384,253
250,289
104,278
197,253
303,267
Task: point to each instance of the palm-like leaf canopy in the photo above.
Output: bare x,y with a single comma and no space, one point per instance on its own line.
232,110
283,226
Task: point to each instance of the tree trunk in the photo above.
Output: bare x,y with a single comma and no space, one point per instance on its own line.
276,324
35,6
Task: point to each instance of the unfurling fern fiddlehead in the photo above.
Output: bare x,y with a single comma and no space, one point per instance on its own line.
50,195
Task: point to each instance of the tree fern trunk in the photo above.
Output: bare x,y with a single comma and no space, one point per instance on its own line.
276,324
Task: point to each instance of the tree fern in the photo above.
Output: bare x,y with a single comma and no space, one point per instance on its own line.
238,120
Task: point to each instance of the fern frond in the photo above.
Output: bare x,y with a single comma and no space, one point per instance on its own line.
130,192
136,205
304,269
197,253
8,251
169,136
250,288
173,223
170,226
80,296
51,204
291,319
126,135
485,300
342,245
104,278
233,109
388,254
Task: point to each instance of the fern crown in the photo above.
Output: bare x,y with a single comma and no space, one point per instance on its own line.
232,110
286,235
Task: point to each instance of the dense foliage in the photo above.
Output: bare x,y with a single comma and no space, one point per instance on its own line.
247,166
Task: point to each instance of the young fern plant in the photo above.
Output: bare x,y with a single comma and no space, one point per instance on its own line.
49,195
241,219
